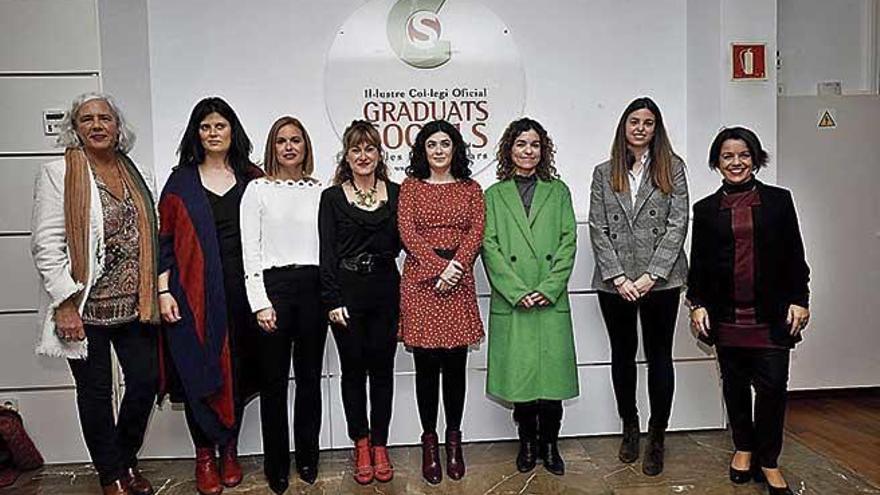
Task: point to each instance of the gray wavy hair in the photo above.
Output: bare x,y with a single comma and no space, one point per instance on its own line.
68,138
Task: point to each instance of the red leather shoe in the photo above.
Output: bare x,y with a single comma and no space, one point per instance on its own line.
363,465
229,465
207,476
382,468
137,484
118,487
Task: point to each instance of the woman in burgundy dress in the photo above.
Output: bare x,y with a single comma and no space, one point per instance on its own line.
441,225
749,293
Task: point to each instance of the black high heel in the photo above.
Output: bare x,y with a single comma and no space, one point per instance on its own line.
740,477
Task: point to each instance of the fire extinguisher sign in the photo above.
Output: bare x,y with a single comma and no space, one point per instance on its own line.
749,61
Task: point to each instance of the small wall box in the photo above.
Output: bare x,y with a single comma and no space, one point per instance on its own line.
52,122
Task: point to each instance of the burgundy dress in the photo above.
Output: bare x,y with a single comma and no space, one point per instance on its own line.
439,222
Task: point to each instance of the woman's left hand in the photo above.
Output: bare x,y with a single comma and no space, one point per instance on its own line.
644,284
798,317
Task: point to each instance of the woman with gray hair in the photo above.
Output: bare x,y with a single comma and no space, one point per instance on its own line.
94,245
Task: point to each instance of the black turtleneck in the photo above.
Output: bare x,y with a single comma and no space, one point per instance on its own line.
526,187
744,186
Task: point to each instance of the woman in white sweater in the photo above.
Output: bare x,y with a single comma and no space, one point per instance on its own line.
279,237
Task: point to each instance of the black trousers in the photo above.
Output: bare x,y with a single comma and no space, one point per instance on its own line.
366,350
113,445
767,371
658,311
295,295
429,365
538,417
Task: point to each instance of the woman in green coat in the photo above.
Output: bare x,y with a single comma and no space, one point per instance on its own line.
528,250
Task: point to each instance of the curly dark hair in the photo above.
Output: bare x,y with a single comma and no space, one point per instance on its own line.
359,131
506,169
418,157
191,152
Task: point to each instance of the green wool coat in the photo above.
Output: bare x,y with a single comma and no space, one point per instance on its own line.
531,351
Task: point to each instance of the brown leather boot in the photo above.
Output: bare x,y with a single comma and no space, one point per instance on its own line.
229,465
454,458
118,487
207,476
431,469
137,484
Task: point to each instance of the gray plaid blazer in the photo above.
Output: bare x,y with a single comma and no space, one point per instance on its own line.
647,237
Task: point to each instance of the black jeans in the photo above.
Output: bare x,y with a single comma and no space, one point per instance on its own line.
366,349
657,311
295,295
113,445
429,364
767,371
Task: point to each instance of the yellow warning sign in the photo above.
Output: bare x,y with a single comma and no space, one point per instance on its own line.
826,120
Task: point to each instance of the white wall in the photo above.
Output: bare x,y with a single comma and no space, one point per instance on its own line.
822,40
833,175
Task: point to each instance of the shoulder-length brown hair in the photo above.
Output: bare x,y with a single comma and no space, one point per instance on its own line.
270,161
660,148
506,169
359,131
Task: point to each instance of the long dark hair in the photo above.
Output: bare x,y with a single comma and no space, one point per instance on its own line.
659,147
191,152
506,168
270,161
418,157
359,131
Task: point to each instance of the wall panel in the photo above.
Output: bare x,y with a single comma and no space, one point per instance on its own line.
66,33
26,98
23,368
17,176
21,292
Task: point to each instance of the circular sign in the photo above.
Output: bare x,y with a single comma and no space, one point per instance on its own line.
403,63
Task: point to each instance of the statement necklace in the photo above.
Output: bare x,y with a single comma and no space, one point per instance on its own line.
368,198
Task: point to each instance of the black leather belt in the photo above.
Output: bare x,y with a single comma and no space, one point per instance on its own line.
366,263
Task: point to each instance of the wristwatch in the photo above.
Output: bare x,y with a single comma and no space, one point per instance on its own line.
653,277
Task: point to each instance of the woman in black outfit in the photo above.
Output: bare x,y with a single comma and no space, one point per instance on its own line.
202,276
749,293
360,288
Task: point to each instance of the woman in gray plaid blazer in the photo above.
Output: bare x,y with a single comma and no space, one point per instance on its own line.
638,223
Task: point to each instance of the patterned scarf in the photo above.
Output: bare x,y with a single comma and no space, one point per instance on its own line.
77,201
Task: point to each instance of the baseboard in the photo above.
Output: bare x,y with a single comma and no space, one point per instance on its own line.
834,393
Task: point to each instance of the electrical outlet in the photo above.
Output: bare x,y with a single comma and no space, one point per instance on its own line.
9,403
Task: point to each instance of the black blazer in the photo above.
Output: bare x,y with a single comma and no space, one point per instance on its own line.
781,272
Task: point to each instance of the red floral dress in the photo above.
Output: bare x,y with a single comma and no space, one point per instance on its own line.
447,217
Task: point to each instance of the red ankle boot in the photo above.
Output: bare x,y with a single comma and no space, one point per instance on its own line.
363,465
229,465
207,477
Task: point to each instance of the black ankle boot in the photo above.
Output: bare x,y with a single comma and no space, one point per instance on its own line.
548,450
652,464
629,445
526,418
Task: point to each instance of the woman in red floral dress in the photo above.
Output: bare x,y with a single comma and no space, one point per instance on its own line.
440,217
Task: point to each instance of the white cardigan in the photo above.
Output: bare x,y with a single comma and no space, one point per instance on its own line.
49,250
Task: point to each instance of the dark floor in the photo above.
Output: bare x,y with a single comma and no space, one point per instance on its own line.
696,463
843,426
